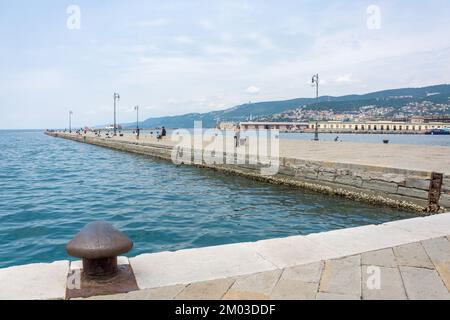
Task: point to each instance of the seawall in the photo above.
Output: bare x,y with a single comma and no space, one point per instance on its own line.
398,187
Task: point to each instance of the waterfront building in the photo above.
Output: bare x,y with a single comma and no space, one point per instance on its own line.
379,126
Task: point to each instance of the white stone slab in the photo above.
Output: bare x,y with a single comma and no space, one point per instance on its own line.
194,265
77,265
34,281
352,241
427,227
293,251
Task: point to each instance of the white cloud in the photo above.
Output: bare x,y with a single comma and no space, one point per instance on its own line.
348,78
253,90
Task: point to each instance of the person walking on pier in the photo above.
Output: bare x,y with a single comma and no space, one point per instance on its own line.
237,136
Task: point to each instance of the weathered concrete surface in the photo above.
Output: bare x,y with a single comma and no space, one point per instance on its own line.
34,281
394,175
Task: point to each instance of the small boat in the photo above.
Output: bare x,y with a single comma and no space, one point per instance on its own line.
443,131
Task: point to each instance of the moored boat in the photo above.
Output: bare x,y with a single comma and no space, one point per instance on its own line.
442,131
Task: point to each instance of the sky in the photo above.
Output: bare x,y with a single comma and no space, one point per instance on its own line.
176,57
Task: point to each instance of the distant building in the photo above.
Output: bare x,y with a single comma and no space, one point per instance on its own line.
348,127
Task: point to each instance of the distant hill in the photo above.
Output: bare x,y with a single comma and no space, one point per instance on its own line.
395,98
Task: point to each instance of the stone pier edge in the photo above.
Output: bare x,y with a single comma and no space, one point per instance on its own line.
398,188
48,281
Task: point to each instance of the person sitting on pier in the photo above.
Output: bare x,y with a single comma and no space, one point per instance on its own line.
163,134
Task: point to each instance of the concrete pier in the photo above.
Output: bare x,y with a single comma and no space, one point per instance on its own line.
395,175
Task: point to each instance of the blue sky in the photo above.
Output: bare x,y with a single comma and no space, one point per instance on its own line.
175,57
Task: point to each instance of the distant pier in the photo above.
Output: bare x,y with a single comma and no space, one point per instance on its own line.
411,177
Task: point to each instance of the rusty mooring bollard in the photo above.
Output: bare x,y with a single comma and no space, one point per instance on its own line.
99,244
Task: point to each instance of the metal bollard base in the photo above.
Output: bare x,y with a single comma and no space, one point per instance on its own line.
86,286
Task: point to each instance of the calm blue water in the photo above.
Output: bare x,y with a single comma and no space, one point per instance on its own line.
50,188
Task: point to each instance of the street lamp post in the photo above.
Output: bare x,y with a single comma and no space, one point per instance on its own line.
116,98
70,121
137,121
315,81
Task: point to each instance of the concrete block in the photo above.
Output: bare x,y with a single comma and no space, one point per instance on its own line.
412,255
417,183
381,258
34,281
415,193
207,290
349,180
326,176
363,239
389,285
423,284
388,187
306,173
342,276
254,287
293,251
286,171
194,265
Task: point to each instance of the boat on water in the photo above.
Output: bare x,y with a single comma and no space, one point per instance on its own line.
441,131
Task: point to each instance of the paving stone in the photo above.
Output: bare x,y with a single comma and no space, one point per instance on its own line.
293,251
42,281
389,285
298,283
335,296
423,284
288,289
382,258
254,287
342,276
412,255
206,290
439,252
163,293
305,273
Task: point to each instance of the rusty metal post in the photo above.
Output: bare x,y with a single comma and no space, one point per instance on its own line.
434,193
